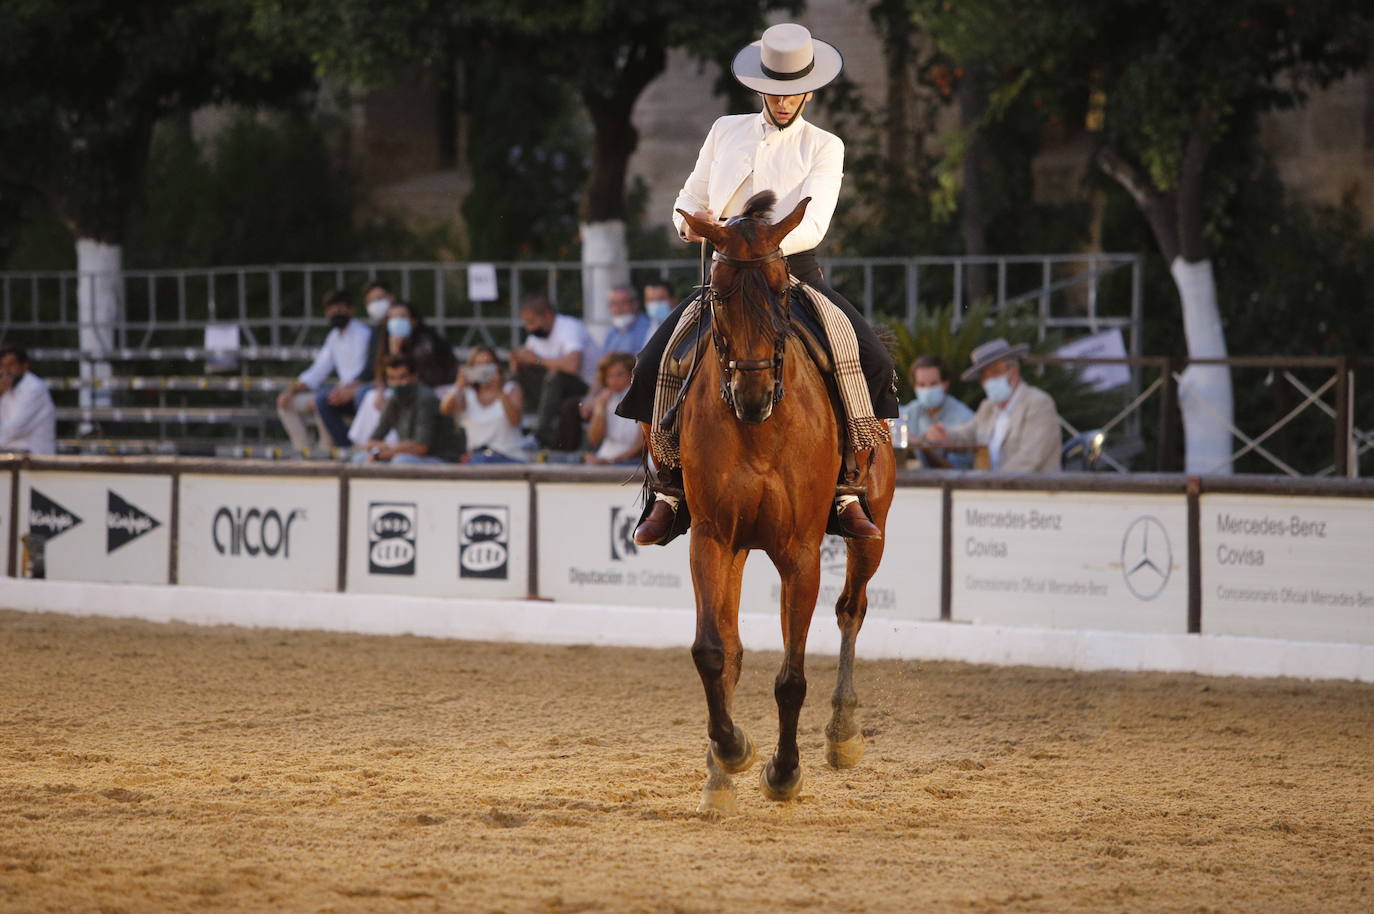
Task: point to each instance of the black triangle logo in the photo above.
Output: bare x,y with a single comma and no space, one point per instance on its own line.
47,517
125,523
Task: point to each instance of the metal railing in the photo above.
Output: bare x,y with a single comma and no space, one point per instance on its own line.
278,306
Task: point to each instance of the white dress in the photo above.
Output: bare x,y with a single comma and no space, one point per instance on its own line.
487,426
621,433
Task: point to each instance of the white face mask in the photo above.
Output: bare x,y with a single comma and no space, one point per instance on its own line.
377,309
622,321
482,374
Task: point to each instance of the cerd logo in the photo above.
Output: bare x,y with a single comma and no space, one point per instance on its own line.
484,541
124,522
253,532
391,537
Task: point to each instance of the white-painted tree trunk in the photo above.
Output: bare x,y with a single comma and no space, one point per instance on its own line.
1204,393
99,301
605,264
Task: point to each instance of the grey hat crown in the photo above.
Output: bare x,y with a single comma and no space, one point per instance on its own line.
984,354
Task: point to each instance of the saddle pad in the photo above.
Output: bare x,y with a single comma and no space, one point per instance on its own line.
805,325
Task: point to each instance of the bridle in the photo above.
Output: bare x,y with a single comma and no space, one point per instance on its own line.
729,366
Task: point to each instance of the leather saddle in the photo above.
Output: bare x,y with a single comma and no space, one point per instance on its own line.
805,326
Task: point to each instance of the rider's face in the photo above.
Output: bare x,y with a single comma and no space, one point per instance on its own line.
785,107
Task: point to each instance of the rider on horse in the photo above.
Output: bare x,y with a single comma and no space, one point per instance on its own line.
778,150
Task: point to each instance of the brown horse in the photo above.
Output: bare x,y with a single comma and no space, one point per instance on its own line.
759,471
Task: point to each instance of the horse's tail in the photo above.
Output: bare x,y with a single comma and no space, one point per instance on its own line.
886,337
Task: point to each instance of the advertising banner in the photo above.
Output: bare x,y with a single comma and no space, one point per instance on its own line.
269,532
587,554
111,528
438,538
1070,560
1288,567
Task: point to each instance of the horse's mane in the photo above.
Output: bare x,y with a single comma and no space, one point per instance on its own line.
762,309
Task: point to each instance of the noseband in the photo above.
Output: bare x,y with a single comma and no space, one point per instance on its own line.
729,366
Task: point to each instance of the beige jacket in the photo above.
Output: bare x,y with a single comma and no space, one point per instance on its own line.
1032,444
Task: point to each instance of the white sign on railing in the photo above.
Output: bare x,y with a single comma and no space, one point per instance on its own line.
1288,567
440,538
272,532
111,528
1070,560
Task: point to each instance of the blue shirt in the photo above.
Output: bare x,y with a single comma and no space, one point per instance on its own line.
951,412
631,339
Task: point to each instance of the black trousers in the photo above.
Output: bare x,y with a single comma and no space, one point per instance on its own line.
874,357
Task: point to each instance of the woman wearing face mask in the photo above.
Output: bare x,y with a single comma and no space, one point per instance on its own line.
616,439
489,407
408,334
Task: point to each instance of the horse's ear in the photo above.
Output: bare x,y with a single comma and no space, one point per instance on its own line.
790,221
711,231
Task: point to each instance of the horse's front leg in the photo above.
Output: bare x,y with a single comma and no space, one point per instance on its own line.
844,741
801,580
718,654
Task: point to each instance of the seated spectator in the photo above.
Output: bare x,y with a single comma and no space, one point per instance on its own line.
344,354
1016,421
28,419
555,348
658,302
630,326
412,411
490,408
930,379
616,439
408,334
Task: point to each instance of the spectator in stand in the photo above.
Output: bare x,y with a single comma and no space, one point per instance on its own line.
28,419
344,354
408,334
490,408
555,346
930,379
630,326
616,439
412,411
1017,422
658,302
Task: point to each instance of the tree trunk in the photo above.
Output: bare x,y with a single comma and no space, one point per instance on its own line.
605,254
974,218
605,265
1204,392
99,304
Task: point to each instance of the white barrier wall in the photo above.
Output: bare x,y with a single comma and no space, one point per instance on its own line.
1070,560
111,528
6,506
587,555
1288,567
277,532
440,538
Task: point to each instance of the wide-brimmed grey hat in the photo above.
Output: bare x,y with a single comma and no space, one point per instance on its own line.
787,61
984,354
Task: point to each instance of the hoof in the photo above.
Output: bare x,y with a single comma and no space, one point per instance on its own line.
846,753
779,792
717,802
742,761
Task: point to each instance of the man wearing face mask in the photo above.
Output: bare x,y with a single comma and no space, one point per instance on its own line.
630,326
344,353
559,347
413,413
930,380
1017,422
658,302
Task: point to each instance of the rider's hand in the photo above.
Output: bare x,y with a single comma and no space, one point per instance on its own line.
936,434
705,215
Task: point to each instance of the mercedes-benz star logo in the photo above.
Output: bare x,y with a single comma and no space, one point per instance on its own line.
1147,559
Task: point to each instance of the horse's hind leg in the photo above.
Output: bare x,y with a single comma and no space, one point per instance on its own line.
718,655
844,741
782,776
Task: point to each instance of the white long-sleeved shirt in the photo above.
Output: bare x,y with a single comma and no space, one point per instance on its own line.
28,419
801,161
344,353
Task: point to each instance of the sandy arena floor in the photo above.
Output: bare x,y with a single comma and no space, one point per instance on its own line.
172,768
